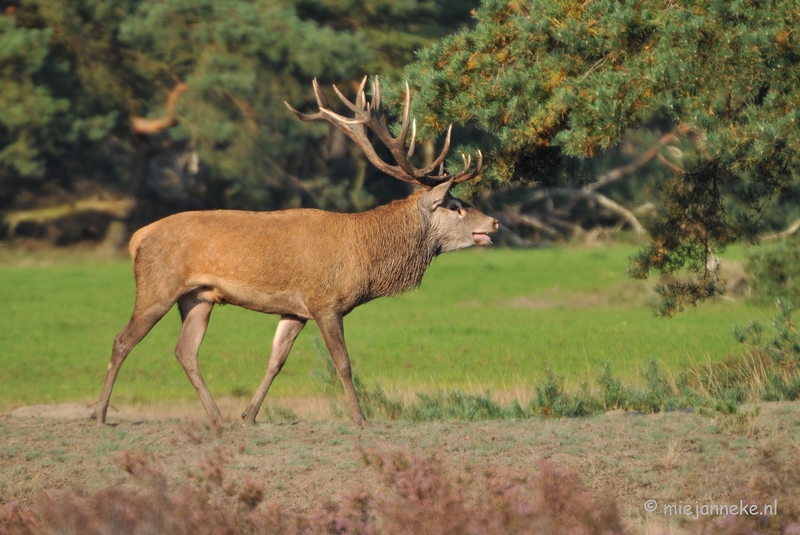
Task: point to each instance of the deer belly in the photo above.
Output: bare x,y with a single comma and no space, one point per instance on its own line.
269,301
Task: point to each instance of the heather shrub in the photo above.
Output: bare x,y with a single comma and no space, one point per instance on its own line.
351,514
251,493
17,520
553,501
423,495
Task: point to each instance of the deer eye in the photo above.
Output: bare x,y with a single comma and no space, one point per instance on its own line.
454,207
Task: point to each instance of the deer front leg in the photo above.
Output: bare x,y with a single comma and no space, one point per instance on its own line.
285,335
332,330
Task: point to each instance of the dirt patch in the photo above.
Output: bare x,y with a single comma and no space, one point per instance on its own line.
672,458
531,303
68,411
629,293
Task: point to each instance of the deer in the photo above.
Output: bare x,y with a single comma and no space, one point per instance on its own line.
301,264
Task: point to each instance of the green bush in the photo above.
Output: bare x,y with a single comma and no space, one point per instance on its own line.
455,405
552,402
768,370
774,271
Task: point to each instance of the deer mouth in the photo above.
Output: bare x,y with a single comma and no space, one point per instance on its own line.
481,238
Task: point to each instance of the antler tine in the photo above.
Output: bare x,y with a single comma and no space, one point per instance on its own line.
361,98
376,122
465,175
376,94
410,152
322,102
359,105
442,155
404,125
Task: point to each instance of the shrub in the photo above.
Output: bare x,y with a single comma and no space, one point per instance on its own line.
768,370
774,271
553,402
778,359
418,494
614,395
456,405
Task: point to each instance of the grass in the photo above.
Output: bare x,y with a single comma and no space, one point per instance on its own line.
483,320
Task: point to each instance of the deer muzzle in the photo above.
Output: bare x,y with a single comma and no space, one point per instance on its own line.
481,238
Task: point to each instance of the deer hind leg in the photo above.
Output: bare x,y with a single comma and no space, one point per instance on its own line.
285,335
142,320
195,315
332,330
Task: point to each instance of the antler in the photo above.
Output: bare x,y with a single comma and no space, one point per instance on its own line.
371,114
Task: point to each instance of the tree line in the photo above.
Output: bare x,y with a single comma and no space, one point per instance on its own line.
179,104
677,118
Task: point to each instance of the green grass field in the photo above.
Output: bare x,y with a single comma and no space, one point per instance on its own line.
489,319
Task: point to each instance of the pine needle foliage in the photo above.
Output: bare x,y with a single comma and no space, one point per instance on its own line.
552,81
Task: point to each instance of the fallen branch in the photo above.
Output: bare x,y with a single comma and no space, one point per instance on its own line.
620,210
119,208
532,222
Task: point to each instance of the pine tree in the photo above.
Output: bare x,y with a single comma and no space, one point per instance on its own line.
552,81
59,95
82,76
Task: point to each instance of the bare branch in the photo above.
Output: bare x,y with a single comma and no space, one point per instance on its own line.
145,126
791,229
624,170
672,167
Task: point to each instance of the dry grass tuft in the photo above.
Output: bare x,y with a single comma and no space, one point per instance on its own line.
673,456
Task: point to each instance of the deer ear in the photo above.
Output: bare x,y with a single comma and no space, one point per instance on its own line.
436,195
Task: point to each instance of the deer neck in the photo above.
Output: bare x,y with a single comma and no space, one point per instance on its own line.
396,246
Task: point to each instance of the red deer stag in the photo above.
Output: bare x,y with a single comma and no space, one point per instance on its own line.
301,264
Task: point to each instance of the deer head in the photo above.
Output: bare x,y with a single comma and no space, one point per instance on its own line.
454,223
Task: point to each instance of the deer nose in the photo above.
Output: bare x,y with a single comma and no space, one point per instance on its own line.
495,224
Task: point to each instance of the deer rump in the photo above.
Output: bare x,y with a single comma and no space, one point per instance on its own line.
301,264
